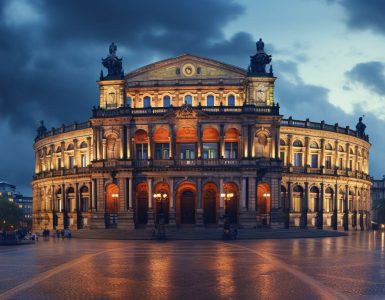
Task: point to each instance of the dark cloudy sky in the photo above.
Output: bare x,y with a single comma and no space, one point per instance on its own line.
328,55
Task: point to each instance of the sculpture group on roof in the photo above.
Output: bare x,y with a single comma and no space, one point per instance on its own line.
113,64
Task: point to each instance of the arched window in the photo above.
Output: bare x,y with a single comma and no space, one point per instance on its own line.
341,149
297,198
314,145
166,101
230,100
188,100
328,147
83,145
146,102
282,142
297,143
210,100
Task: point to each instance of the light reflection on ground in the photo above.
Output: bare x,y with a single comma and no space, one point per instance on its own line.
351,267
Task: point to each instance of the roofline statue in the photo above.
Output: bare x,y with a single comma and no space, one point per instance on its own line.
113,64
259,61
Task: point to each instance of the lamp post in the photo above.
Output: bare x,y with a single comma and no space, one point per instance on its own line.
226,197
160,218
159,198
266,198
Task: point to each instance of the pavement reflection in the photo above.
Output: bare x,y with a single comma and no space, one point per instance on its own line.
351,267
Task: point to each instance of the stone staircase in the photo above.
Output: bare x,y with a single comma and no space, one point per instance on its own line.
203,234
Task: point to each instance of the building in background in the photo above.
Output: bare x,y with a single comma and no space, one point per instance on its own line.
10,192
378,201
196,139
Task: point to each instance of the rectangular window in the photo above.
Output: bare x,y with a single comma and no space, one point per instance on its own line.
351,165
231,150
210,150
71,162
341,165
162,151
59,163
297,159
282,156
187,151
141,151
328,162
314,161
83,159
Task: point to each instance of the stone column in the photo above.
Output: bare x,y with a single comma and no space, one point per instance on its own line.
90,151
95,143
104,142
172,220
62,145
251,141
252,193
243,193
200,143
244,145
322,161
222,142
307,151
76,153
128,142
347,156
130,193
290,151
150,212
122,144
199,210
150,143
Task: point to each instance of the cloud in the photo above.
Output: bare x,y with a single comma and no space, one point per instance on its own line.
369,74
50,55
301,101
365,15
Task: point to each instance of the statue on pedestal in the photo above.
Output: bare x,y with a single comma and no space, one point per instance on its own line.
113,64
259,61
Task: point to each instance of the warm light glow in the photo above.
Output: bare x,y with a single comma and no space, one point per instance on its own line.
227,196
266,195
115,195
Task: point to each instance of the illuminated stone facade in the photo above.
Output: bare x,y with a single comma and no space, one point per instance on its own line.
195,139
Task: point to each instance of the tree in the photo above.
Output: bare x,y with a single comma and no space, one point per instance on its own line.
10,214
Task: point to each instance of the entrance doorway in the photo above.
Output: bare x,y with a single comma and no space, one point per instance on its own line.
142,208
112,205
263,204
187,207
210,204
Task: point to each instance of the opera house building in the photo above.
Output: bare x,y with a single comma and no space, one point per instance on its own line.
198,141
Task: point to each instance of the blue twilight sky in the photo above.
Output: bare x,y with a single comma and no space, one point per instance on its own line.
327,54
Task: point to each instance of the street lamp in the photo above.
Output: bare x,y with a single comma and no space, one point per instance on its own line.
159,197
226,197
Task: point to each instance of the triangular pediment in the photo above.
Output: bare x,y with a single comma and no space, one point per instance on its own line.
186,66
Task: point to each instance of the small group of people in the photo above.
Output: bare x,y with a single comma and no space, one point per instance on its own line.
64,233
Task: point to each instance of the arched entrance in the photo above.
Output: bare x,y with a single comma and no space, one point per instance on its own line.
141,203
210,193
231,203
162,201
186,195
263,204
187,208
112,205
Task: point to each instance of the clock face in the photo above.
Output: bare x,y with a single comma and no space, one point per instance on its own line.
188,70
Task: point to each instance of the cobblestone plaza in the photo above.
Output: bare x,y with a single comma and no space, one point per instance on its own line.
350,267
